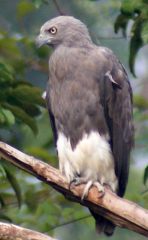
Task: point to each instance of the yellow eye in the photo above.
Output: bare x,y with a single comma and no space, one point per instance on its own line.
52,30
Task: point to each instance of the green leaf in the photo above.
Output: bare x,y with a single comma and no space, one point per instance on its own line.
21,83
9,117
2,172
42,139
30,109
9,49
5,217
140,102
121,22
2,117
6,75
14,183
24,7
145,178
144,32
137,10
29,94
135,45
23,116
129,7
2,203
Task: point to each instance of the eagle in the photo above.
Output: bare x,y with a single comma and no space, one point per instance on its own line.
89,100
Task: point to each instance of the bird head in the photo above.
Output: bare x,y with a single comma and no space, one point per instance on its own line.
65,30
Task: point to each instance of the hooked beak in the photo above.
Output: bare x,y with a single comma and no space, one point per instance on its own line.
41,40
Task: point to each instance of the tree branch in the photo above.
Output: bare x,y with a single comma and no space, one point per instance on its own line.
10,231
120,211
58,7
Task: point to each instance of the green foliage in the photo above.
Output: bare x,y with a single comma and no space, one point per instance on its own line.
4,217
140,102
19,100
14,184
145,177
121,23
23,8
136,10
39,3
43,154
144,32
2,172
28,94
130,7
6,117
22,115
7,175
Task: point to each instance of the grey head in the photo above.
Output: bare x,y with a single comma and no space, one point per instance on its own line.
65,30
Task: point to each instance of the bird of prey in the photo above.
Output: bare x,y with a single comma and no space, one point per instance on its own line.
89,99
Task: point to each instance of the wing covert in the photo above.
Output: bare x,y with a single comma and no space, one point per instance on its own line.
51,116
116,99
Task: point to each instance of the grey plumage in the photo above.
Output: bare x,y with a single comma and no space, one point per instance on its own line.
88,92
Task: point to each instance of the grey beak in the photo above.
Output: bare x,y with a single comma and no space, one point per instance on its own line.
40,41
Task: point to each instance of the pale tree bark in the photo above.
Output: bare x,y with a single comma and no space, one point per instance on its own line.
123,213
13,232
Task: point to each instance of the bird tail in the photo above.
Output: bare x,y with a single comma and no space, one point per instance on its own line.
103,225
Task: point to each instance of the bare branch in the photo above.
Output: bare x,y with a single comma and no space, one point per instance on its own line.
120,211
10,231
58,7
70,222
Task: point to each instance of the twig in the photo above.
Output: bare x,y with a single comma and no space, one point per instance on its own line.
122,212
58,7
10,231
69,222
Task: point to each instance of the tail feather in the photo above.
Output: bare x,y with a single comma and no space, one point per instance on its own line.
103,225
109,228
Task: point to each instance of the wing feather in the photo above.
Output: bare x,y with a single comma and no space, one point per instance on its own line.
117,102
51,116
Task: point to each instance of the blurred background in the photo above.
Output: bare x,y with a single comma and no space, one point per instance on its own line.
121,25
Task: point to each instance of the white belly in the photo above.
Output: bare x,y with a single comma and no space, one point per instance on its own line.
92,158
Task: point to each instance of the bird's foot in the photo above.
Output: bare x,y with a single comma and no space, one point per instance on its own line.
77,181
80,180
89,185
100,187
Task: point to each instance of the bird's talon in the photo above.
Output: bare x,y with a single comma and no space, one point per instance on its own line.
76,181
71,184
101,189
101,194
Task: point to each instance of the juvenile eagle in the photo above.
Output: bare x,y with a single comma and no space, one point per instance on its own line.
89,99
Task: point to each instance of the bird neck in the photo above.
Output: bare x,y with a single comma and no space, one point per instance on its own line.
77,41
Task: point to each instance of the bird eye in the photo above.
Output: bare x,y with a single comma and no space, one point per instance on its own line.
52,30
